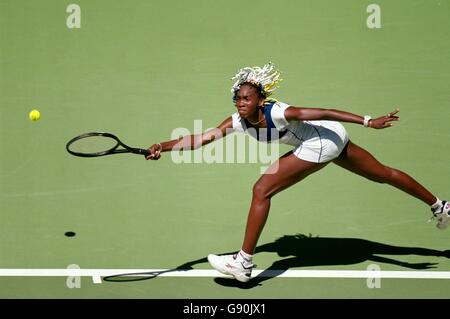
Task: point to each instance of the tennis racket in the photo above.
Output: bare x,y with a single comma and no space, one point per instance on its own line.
96,144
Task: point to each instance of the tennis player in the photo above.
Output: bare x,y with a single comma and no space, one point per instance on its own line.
317,138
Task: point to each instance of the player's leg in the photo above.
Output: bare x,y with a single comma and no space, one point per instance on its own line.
361,162
288,170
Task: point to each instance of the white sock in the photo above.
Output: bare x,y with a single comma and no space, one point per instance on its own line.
246,258
436,205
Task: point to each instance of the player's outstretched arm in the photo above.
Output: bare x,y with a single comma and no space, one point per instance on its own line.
311,114
191,142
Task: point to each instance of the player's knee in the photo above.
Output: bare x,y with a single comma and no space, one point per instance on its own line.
261,191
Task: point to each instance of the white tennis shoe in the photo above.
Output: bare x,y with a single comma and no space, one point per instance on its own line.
442,214
230,265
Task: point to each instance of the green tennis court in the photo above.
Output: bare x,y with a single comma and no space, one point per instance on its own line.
140,69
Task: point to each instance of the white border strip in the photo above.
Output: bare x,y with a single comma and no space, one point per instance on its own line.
97,274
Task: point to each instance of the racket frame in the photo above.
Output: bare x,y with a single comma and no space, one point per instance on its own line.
111,151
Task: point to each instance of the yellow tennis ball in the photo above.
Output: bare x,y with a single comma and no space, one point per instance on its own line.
34,115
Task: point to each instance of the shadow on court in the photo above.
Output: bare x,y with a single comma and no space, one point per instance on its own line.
307,251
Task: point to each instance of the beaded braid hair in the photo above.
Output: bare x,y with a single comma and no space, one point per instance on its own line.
265,80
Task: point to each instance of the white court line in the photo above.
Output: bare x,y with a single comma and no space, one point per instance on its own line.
97,274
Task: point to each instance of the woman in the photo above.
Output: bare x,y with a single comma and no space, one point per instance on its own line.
318,138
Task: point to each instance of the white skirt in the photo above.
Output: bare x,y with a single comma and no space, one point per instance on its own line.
323,141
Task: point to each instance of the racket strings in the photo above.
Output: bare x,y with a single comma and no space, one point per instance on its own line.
93,145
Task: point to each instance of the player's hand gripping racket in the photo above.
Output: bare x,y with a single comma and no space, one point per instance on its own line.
96,144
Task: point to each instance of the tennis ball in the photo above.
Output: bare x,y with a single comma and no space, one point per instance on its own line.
34,115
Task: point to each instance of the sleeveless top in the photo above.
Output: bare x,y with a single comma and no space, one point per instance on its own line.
278,130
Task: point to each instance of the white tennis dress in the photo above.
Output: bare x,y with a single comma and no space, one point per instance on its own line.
315,141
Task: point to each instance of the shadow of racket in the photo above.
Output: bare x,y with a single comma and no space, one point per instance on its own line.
151,274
